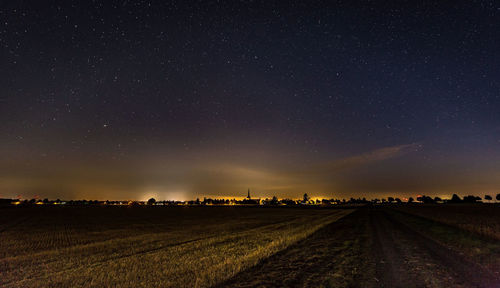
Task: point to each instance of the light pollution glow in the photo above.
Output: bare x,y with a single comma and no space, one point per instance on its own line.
388,171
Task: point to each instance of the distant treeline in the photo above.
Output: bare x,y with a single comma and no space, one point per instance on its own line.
274,201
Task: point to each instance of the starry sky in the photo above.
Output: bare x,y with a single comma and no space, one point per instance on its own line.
185,99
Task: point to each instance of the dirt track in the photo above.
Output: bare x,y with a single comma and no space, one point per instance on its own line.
368,248
408,258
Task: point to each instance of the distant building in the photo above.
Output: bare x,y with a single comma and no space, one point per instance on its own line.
250,201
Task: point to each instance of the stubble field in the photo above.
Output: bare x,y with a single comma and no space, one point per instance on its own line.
372,246
388,246
147,246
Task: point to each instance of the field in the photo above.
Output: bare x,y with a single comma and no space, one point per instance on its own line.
384,247
377,246
144,247
482,219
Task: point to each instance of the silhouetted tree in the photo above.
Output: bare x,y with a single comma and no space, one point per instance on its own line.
498,197
151,201
325,202
6,201
488,197
390,199
288,202
437,199
274,201
306,198
425,199
471,199
455,199
133,204
397,200
410,200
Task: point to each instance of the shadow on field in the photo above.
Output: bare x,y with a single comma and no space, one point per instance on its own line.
372,247
331,257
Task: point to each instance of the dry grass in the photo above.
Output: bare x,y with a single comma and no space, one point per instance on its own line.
482,219
165,247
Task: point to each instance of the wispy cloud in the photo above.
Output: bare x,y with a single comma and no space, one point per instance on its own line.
372,156
291,180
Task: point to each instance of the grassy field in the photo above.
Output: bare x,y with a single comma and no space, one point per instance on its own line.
372,246
483,219
145,247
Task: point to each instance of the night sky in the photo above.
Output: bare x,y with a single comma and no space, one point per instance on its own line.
178,100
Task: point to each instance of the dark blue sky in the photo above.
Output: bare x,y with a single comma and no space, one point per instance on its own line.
106,99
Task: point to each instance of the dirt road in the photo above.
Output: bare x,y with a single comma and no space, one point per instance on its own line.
408,258
368,248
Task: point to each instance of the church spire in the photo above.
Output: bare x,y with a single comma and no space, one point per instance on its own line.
248,196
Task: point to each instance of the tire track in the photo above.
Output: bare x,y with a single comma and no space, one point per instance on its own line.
464,272
389,264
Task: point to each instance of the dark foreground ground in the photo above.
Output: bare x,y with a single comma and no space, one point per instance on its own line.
380,247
